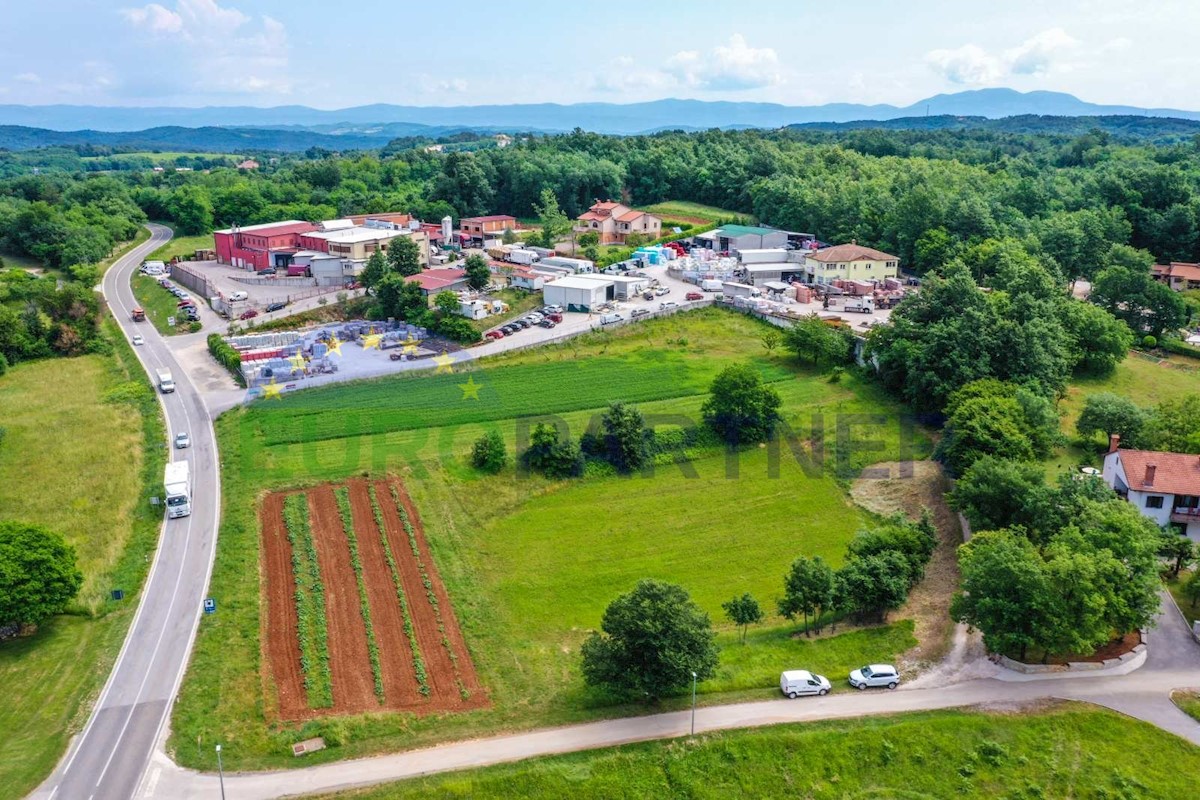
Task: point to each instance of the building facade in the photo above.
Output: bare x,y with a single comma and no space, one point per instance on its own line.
1164,487
1178,275
615,223
852,262
259,247
474,231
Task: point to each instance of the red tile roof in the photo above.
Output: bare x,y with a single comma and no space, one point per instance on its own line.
1174,473
630,216
433,280
1178,269
849,252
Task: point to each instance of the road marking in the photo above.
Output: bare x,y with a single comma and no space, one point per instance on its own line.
152,783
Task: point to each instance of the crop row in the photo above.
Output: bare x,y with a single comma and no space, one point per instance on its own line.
404,403
429,592
312,626
342,494
406,612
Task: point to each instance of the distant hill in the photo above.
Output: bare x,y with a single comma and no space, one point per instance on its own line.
206,139
1158,129
629,118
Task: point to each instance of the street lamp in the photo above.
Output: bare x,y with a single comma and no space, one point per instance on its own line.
693,706
221,772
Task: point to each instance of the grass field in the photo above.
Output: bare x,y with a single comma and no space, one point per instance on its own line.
182,246
1071,751
56,470
19,261
159,305
1188,702
519,302
695,213
529,563
158,158
1190,612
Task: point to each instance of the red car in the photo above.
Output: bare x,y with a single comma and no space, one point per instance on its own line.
494,335
250,314
694,296
555,318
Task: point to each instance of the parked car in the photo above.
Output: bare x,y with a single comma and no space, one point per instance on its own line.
875,675
647,295
610,318
554,317
137,339
552,310
522,323
534,317
248,314
546,323
236,296
493,335
277,306
638,312
182,440
668,304
186,303
661,290
510,329
795,682
694,296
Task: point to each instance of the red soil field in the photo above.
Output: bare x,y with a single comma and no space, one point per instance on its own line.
452,681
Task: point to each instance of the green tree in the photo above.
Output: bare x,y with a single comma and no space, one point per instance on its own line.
401,299
404,256
1174,425
446,302
191,209
1178,550
913,541
636,239
377,267
651,641
990,417
38,576
807,590
554,223
588,239
741,409
478,273
489,453
1191,588
815,341
996,493
552,455
876,584
1005,592
771,338
624,437
1099,341
508,237
1108,413
743,611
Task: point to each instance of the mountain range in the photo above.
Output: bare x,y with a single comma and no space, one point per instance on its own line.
379,120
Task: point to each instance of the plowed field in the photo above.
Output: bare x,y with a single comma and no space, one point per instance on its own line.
423,663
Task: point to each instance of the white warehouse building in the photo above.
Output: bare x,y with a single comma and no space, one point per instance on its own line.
578,294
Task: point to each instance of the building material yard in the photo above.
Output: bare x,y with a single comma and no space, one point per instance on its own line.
529,563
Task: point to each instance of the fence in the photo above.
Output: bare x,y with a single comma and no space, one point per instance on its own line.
193,279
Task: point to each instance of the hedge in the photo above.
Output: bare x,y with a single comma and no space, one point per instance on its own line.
224,354
1180,348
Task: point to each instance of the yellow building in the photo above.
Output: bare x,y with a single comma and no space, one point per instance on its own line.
849,262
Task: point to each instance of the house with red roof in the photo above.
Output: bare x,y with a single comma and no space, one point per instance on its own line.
615,222
433,281
1164,487
1179,275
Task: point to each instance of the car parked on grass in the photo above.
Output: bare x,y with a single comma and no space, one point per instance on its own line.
796,682
873,675
249,313
694,296
182,440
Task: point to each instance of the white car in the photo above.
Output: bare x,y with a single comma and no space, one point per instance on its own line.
552,310
795,682
182,440
875,675
668,304
137,339
661,290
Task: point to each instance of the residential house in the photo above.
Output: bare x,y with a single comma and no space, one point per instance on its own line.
249,163
852,262
615,223
433,281
1178,275
1165,487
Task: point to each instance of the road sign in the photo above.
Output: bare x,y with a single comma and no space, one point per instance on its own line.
171,321
210,606
118,594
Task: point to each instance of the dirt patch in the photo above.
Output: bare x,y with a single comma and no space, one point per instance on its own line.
451,680
909,488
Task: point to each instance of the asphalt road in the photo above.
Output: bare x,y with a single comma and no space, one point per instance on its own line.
109,757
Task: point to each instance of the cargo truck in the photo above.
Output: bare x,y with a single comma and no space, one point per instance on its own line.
861,305
166,384
177,481
139,315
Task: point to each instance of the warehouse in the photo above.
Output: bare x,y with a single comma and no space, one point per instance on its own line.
624,287
579,294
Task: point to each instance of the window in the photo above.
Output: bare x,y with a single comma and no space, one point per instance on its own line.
1154,501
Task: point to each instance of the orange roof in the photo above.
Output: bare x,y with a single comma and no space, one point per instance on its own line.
1179,269
849,252
592,215
630,216
607,205
1172,473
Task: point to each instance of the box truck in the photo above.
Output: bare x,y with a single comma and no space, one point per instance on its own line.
525,257
166,383
861,305
177,481
709,285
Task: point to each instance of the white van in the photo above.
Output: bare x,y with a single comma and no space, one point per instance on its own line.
236,296
796,682
710,286
610,318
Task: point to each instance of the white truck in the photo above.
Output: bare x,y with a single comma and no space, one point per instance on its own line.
861,305
525,257
731,289
166,384
177,481
710,285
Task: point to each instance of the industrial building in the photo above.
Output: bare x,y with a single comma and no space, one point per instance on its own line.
579,293
624,287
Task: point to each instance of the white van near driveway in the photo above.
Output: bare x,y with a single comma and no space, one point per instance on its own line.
610,318
795,682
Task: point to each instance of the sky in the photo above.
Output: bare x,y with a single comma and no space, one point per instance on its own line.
335,55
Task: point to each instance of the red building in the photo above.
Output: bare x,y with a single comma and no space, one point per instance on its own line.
259,247
474,230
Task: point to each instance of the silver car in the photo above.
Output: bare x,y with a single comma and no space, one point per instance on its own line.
182,440
875,675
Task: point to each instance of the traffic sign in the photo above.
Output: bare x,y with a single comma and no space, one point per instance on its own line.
210,605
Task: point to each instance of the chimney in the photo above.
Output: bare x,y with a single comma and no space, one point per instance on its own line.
1114,441
1150,470
854,241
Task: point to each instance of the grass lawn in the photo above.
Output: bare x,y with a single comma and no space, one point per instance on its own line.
1068,751
159,304
97,481
520,303
530,563
182,246
696,213
1192,613
1188,702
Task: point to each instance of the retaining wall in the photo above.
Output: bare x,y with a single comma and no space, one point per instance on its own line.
1138,653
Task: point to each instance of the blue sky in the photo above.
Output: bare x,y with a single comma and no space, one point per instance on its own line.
333,55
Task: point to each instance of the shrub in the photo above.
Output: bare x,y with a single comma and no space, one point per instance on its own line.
1149,342
552,456
226,356
489,454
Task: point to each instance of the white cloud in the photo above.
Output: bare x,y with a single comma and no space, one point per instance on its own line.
28,77
624,74
735,66
227,50
972,65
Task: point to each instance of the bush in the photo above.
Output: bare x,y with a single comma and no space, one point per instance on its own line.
226,356
1175,346
489,454
1149,342
3,364
194,326
741,408
552,456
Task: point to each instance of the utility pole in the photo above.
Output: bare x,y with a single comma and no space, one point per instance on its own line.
693,712
221,771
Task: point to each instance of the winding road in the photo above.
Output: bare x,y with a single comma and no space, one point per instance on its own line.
109,757
120,754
